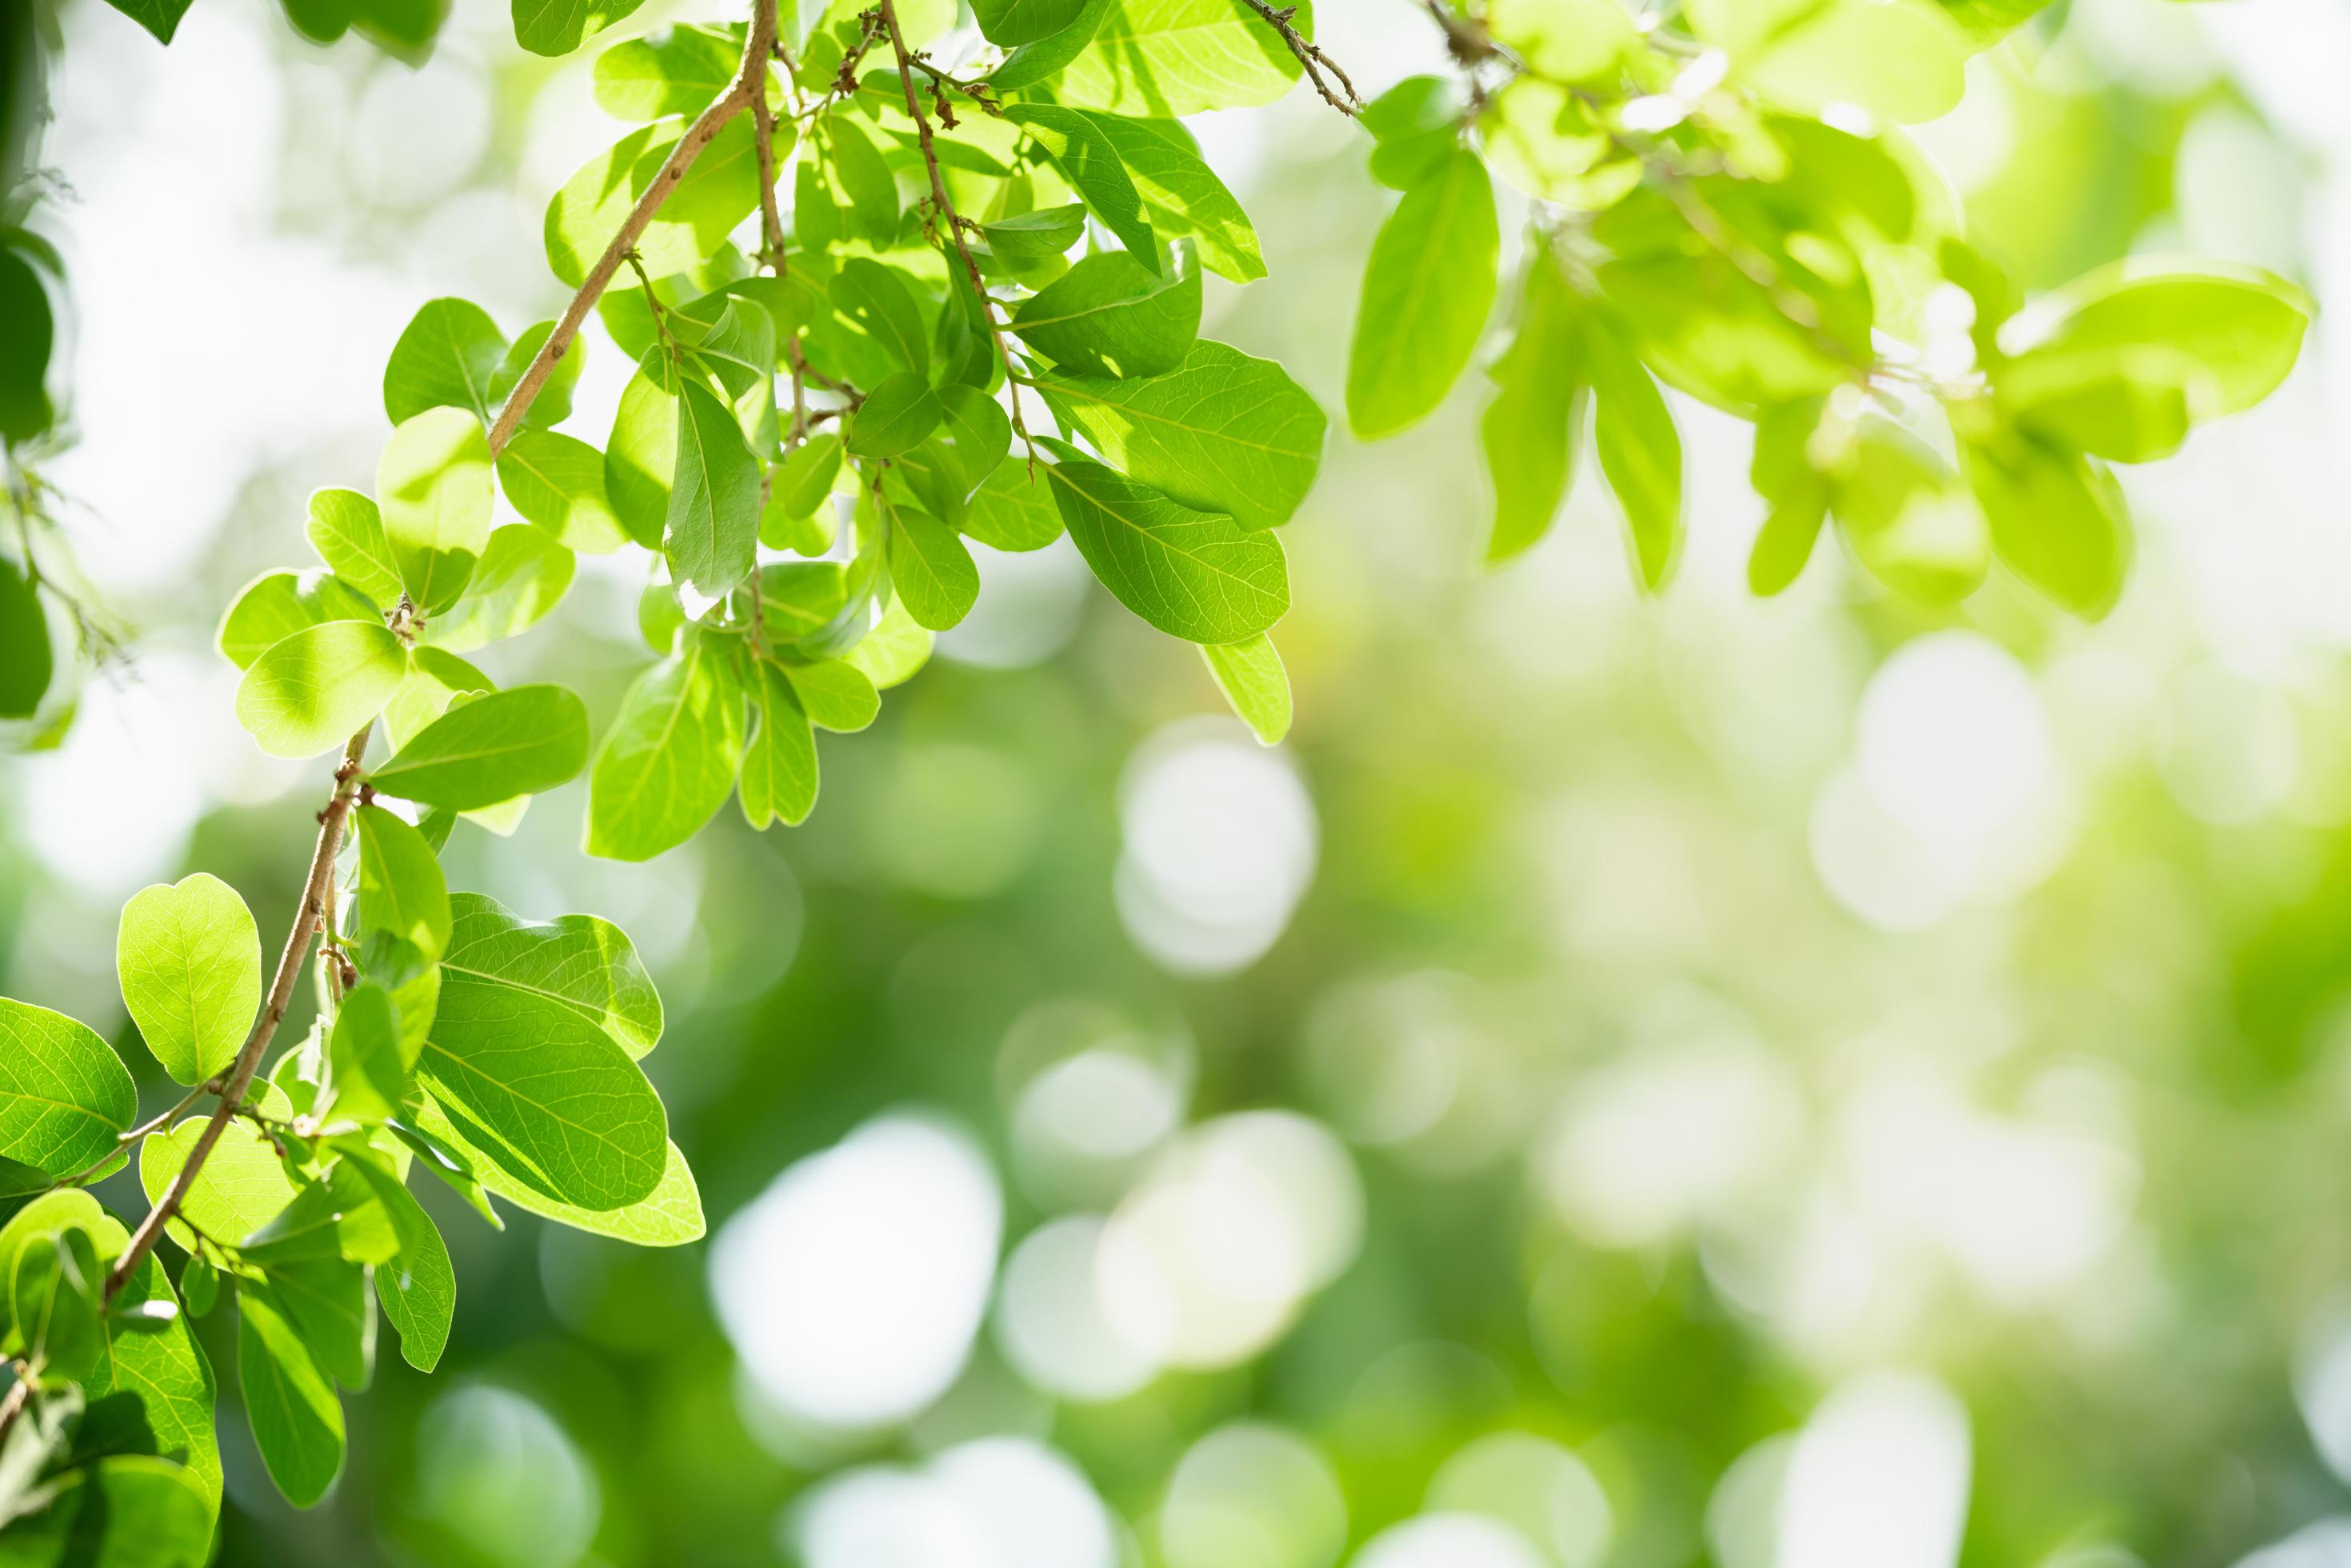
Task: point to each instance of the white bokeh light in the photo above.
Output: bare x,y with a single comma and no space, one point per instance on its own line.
1051,1322
1450,1540
1534,1486
1252,1495
852,1288
1220,843
1878,1478
999,1502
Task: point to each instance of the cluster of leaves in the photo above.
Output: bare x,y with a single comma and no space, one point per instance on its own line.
1724,203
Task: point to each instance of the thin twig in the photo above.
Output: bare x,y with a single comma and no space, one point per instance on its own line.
14,1405
750,83
281,991
763,130
1311,56
946,211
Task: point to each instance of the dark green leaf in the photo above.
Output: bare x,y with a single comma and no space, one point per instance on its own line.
297,1419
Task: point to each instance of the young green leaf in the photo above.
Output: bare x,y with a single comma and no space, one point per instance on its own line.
2057,519
1109,316
297,1418
189,958
366,1066
1196,575
520,741
641,459
1252,677
1029,236
1427,291
934,574
837,695
1007,23
1225,433
557,481
717,192
276,604
347,531
866,179
669,1216
678,71
1013,509
1173,57
1087,159
522,575
63,1094
976,434
446,357
1907,519
891,652
552,406
780,766
241,1187
1533,429
895,418
881,303
1041,61
670,758
711,530
1641,453
402,893
433,484
577,960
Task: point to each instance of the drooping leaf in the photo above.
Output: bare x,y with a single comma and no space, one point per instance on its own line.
1047,58
1641,452
189,958
1196,575
524,740
1181,195
162,1367
297,1418
1088,159
417,1285
710,532
866,179
878,300
837,695
930,569
896,648
1905,514
667,764
2057,520
641,459
552,405
433,485
1013,509
1007,23
1533,428
670,1216
367,1067
1426,292
1252,676
779,762
63,1094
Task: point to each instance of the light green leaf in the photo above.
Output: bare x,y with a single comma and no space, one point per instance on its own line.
445,358
1086,157
347,533
932,570
1013,508
1253,681
670,1216
1641,453
1046,59
325,1299
1166,59
1031,237
417,1285
241,1187
1225,433
837,695
1007,23
1533,428
297,1419
1903,59
542,1094
433,484
189,958
552,406
165,1369
46,1214
881,303
128,1511
718,190
1426,292
1108,315
678,71
402,893
558,27
780,766
277,605
435,678
1196,575
1181,195
866,179
670,758
891,653
895,418
1566,40
976,434
524,573
641,459
710,531
557,481
367,1068
2057,519
577,961
63,1094
1907,519
520,741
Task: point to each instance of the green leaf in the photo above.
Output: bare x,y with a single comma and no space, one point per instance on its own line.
711,529
1225,433
678,71
1566,40
1108,315
277,605
53,1302
837,696
26,662
670,1216
160,1366
188,956
241,1187
878,300
1542,138
1087,158
325,1299
866,179
1783,474
1253,681
347,533
1640,452
1013,509
1031,237
402,893
446,357
577,961
433,484
524,740
641,458
25,411
1007,23
552,406
1426,292
1046,59
523,573
63,1094
1181,195
2120,364
367,1068
894,417
558,26
297,1419
891,653
1903,59
976,434
731,337
670,758
1166,59
932,570
417,1285
779,766
717,191
435,678
46,1214
161,17
542,1094
129,1511
1533,428
1906,518
1196,575
2057,520
556,482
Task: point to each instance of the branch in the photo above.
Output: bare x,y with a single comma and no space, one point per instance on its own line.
750,86
1311,56
763,131
946,211
281,990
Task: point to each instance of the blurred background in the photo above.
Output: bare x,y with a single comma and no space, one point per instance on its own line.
1630,1083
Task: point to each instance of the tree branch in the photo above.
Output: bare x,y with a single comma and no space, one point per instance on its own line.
1309,55
750,86
947,213
281,990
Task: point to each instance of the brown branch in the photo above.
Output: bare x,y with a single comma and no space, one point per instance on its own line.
14,1405
281,991
763,130
946,212
750,85
1311,56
